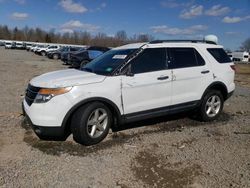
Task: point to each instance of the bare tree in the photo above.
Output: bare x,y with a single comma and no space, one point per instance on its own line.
85,38
6,32
77,37
121,37
144,38
246,45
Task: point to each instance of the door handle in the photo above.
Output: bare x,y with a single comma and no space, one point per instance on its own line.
205,72
162,78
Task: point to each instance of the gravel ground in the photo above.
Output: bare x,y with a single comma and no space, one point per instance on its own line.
176,153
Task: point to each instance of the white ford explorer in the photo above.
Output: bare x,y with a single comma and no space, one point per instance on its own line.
128,84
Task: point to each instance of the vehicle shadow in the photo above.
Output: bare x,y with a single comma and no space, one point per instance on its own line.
175,122
160,125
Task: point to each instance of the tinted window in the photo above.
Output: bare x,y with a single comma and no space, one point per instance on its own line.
149,60
200,60
245,56
219,54
94,53
184,57
73,49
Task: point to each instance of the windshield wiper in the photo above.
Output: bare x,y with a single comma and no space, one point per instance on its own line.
130,58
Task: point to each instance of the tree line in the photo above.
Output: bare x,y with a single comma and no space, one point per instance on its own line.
76,37
245,46
79,37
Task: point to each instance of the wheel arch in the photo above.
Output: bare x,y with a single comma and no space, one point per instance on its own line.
43,51
111,105
220,86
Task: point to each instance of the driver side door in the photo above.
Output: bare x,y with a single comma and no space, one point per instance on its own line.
148,90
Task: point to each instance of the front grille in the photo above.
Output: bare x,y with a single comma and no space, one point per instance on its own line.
31,93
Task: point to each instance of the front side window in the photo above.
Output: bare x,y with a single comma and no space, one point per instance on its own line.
219,54
184,57
151,59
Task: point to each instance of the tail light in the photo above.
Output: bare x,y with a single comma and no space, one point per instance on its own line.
233,67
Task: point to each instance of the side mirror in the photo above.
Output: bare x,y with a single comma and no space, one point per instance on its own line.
128,71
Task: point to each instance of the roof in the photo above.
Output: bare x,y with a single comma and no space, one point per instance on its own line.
130,46
168,44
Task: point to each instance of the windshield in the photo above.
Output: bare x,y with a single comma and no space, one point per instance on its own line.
64,49
108,62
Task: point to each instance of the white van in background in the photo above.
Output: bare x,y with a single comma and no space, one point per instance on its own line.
239,56
8,44
19,45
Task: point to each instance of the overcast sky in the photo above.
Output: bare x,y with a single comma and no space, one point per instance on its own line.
164,19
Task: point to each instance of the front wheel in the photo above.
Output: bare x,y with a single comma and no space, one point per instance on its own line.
90,123
83,63
55,56
211,106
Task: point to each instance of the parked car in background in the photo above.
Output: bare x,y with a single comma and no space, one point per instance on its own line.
70,49
40,47
82,57
45,50
57,53
28,46
1,43
34,47
8,45
239,56
19,45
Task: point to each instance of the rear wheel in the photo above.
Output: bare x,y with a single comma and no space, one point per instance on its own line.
55,56
90,123
211,106
43,53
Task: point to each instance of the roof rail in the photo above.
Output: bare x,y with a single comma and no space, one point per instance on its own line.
191,41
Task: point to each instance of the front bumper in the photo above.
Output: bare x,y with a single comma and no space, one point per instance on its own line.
229,94
43,124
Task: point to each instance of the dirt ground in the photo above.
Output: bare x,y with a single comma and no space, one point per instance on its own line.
177,153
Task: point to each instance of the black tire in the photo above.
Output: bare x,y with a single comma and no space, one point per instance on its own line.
83,63
203,114
43,53
79,124
55,56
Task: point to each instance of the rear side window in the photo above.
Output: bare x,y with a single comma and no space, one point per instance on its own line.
74,49
151,59
184,57
94,53
219,54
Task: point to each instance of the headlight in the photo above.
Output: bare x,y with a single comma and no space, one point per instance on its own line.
44,95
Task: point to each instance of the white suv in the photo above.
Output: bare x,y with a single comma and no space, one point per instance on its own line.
127,84
46,49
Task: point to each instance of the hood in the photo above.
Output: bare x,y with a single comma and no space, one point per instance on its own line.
66,78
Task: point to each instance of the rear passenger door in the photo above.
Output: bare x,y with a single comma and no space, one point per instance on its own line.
191,74
150,86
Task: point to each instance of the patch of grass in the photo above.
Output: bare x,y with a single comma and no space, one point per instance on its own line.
242,68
